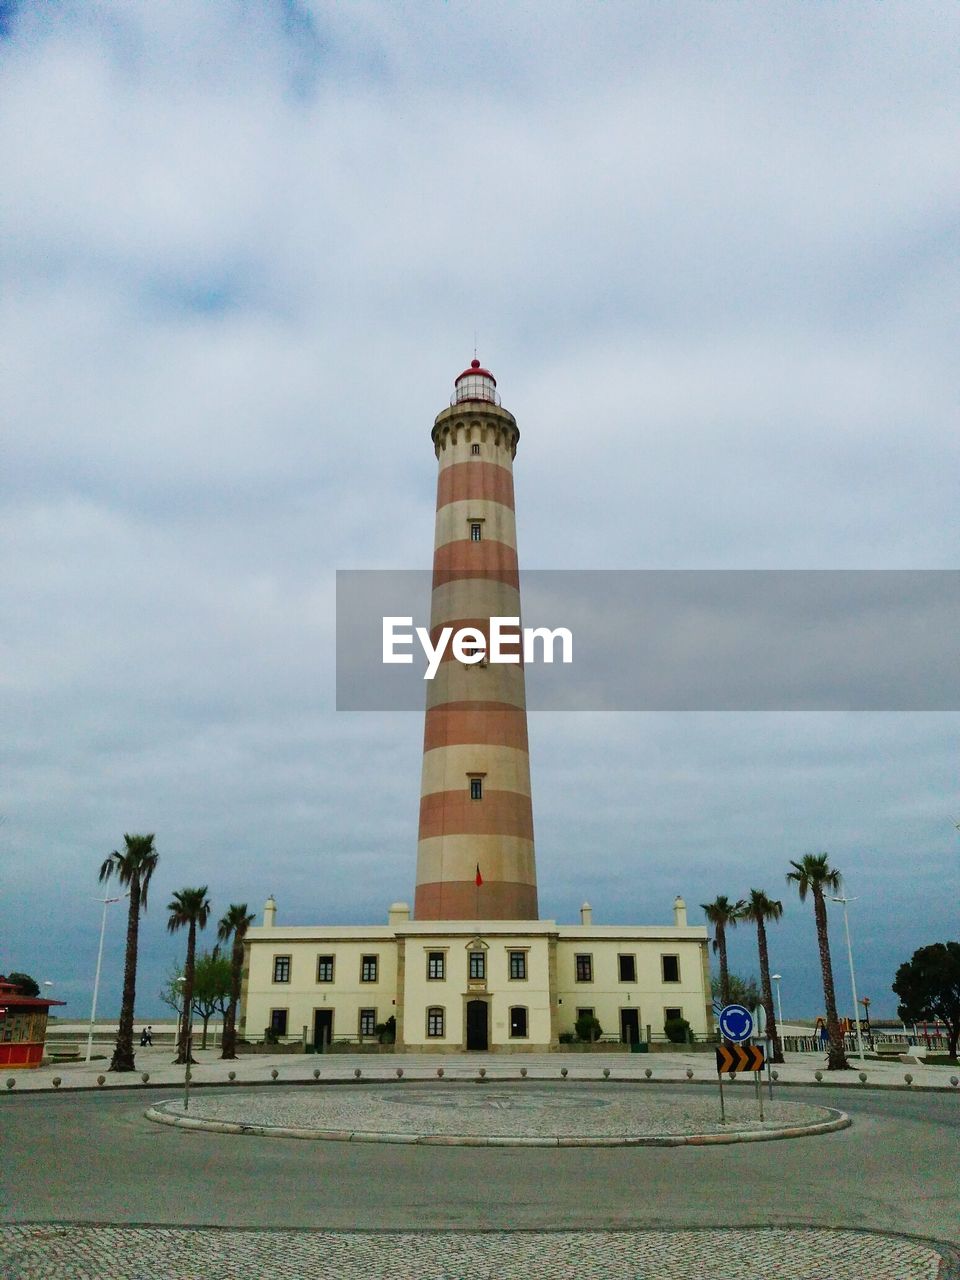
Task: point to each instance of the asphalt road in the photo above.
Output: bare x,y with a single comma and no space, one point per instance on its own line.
94,1158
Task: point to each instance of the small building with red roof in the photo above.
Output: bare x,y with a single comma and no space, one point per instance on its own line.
23,1026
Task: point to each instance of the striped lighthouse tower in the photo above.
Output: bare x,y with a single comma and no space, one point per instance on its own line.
475,858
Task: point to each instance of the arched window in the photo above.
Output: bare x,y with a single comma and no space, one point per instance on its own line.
435,1023
518,1023
475,449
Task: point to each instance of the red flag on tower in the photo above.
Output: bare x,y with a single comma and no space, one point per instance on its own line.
479,880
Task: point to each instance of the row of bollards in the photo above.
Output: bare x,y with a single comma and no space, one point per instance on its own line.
57,1081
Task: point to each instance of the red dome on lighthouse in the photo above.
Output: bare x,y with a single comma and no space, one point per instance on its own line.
475,383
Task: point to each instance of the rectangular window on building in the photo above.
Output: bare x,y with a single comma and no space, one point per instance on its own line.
435,1023
475,450
476,531
278,1021
518,1023
478,965
368,968
584,968
368,1022
324,968
281,968
476,788
671,968
628,968
671,1013
436,966
518,965
584,1013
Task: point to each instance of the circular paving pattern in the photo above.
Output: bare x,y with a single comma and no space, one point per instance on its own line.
500,1115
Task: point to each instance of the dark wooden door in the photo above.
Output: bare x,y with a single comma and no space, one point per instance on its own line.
629,1026
477,1027
322,1029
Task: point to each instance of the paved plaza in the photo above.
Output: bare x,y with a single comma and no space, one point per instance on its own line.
66,1252
91,1190
527,1114
156,1062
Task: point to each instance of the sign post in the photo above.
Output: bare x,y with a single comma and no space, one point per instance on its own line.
736,1024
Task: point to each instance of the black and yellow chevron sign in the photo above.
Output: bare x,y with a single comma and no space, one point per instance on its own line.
739,1057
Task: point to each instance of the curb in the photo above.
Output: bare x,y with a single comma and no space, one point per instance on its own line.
840,1120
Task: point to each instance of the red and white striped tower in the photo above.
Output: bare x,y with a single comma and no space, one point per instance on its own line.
475,858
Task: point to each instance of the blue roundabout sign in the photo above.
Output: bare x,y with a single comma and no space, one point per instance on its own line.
736,1023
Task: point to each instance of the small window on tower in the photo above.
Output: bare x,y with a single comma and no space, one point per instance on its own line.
475,450
476,532
476,788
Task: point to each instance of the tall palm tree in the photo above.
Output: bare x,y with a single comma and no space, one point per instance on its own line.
189,909
723,915
133,868
234,924
759,908
814,874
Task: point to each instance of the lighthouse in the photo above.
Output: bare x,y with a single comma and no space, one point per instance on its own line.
475,854
474,967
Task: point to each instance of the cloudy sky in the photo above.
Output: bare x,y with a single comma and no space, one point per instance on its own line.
710,252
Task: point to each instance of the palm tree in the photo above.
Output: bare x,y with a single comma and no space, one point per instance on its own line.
234,924
723,915
190,909
813,874
133,867
759,908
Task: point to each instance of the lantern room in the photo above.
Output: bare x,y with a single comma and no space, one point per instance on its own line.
475,384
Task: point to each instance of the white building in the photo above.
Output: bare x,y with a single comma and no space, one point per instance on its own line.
466,984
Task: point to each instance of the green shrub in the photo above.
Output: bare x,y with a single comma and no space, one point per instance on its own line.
386,1032
588,1028
566,1037
677,1030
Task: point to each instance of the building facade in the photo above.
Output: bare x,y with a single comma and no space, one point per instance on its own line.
456,985
474,968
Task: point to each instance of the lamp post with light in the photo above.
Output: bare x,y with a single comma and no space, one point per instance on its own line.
96,982
853,980
775,977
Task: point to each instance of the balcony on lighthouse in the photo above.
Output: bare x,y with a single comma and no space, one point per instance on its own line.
475,384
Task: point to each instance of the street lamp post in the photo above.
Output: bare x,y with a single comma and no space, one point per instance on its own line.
853,980
96,982
776,978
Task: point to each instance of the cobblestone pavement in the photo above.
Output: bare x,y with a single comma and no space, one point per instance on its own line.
62,1252
561,1112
